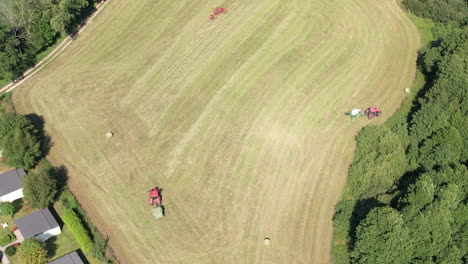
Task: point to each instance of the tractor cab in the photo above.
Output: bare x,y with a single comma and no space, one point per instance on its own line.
372,112
155,200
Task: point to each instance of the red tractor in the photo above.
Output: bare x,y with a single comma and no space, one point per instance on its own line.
217,11
372,112
155,200
154,197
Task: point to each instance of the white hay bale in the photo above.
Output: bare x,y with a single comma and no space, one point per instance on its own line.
407,90
266,241
109,134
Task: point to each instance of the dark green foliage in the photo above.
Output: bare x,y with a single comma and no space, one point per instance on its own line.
6,209
439,11
39,188
21,148
10,251
27,27
81,234
19,141
380,160
342,222
383,238
32,251
6,239
13,56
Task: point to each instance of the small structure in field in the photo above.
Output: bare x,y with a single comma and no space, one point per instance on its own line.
266,241
407,90
109,134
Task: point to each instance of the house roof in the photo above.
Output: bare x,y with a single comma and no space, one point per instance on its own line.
36,223
70,258
11,181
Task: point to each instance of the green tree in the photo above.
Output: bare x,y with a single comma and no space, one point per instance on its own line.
22,149
382,238
39,189
380,160
32,251
419,195
6,209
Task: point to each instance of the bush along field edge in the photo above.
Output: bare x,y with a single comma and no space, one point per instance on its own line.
405,200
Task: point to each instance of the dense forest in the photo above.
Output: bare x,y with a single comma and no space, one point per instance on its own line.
28,27
406,196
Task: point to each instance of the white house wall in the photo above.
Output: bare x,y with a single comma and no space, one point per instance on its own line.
18,194
48,234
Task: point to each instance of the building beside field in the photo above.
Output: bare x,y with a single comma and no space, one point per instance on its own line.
70,258
40,225
11,185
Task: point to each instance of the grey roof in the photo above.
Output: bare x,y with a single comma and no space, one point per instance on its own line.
70,258
36,223
11,181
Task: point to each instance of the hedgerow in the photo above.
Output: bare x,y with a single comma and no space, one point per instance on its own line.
76,226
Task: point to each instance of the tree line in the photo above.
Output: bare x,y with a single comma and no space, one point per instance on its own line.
28,27
406,195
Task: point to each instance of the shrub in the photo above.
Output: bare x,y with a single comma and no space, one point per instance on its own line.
6,209
76,226
5,239
32,251
10,251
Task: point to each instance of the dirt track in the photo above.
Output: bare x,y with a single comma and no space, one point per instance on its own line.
240,121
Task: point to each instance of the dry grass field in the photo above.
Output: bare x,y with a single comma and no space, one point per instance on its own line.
241,120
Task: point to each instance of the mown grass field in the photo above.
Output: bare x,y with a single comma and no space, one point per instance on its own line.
241,120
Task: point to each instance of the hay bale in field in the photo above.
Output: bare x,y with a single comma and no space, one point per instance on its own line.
266,241
109,134
407,90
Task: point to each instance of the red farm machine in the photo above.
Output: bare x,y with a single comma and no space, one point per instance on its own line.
155,200
216,12
372,112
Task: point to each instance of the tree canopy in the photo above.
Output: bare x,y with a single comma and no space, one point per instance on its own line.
19,141
32,251
39,187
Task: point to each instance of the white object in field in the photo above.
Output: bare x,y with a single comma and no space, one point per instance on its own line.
1,153
407,90
266,241
5,225
355,112
109,134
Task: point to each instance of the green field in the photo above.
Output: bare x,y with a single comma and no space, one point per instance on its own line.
241,120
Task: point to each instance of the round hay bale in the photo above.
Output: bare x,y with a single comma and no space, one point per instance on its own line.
109,134
266,241
407,90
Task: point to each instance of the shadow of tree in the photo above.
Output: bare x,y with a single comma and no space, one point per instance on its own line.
51,246
60,175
